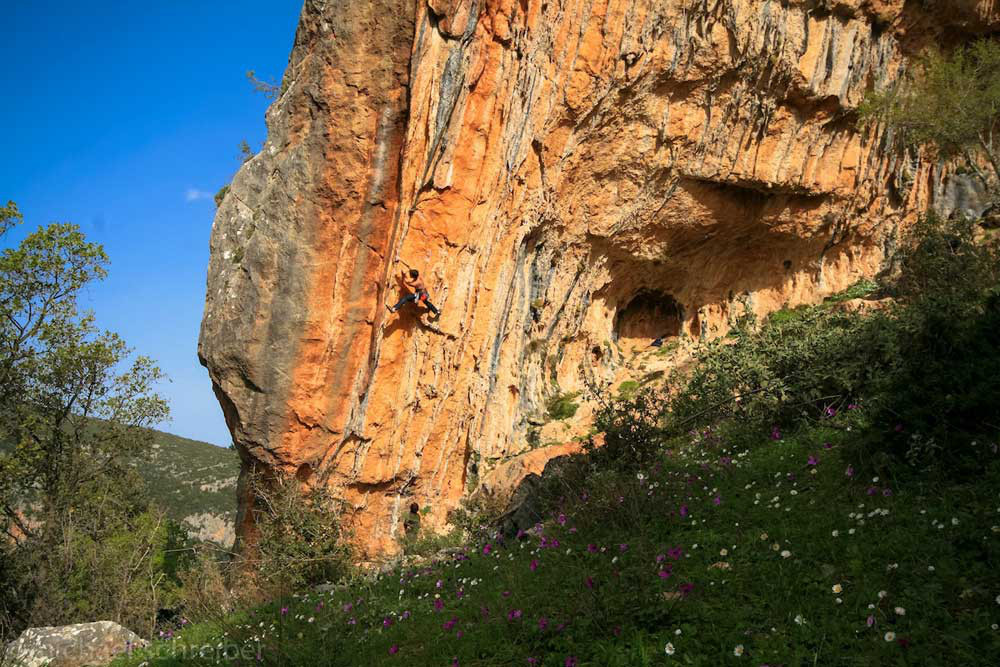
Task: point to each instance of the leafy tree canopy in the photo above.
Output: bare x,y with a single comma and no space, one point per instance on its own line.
951,101
73,405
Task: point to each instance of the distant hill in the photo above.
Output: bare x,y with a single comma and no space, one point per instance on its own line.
195,483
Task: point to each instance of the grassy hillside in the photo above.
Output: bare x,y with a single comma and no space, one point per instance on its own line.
820,489
194,482
779,552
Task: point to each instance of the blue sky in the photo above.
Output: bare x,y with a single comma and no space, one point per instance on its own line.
125,118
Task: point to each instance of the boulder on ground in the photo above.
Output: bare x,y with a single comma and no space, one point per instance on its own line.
71,645
523,510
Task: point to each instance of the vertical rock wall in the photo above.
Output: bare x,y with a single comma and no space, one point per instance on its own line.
566,174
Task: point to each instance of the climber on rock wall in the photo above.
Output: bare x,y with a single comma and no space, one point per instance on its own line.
414,282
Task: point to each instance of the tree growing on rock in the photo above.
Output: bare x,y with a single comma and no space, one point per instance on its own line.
952,103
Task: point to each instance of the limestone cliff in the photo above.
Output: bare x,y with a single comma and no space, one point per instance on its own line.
571,177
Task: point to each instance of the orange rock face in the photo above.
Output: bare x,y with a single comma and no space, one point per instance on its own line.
570,178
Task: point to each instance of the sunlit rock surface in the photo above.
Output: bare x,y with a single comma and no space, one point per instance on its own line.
573,179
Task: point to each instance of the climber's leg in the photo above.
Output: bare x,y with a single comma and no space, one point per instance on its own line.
424,298
404,300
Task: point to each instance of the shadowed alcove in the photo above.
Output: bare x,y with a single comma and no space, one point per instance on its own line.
648,315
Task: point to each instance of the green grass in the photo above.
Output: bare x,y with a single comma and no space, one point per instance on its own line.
856,291
787,314
427,543
770,547
628,388
562,406
859,289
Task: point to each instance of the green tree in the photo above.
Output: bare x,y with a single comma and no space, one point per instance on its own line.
299,541
268,89
246,153
951,101
74,406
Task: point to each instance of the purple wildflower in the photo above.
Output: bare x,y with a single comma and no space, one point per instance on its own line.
394,649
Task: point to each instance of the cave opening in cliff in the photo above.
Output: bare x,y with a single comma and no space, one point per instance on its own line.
648,315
